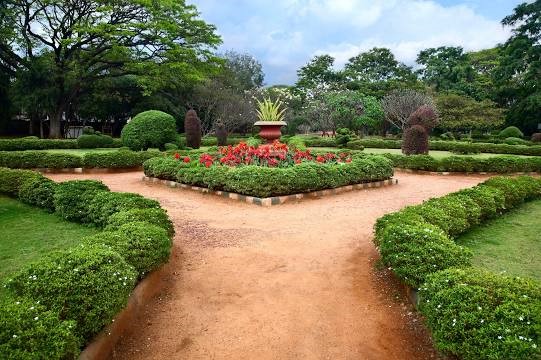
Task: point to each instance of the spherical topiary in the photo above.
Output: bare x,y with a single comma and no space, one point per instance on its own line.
511,131
221,134
192,127
415,141
149,129
536,138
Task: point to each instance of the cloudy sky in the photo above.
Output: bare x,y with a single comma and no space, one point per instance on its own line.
284,34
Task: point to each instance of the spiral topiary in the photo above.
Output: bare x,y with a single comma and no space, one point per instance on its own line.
415,140
149,129
192,127
221,134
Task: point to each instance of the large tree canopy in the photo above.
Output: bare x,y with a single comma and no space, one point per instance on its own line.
318,73
459,113
89,40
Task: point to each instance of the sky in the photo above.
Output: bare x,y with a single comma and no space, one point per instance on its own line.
285,34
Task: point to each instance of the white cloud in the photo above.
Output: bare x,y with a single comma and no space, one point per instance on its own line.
285,34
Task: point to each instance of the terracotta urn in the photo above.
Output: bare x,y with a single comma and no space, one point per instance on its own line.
270,130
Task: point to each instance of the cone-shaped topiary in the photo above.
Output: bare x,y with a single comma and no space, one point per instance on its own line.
192,127
149,129
415,140
221,134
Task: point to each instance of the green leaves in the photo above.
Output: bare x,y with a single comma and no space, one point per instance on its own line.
270,111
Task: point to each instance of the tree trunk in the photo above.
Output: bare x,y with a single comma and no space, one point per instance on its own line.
55,121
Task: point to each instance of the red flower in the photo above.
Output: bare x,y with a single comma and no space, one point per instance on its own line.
208,164
320,159
177,156
348,160
187,159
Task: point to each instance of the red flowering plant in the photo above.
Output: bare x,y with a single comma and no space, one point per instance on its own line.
276,154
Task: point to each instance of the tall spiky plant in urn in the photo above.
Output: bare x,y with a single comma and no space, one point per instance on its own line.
271,119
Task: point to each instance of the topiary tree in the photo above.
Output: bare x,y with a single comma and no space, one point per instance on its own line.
149,129
425,116
221,134
415,141
192,127
536,138
511,131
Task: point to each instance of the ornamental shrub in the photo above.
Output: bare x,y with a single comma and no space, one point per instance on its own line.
536,138
39,159
72,198
38,191
36,144
415,141
141,244
424,116
515,141
355,145
474,314
491,201
513,192
105,203
170,147
192,127
511,131
296,143
163,167
149,129
221,134
415,251
404,217
94,141
30,331
12,179
156,217
86,284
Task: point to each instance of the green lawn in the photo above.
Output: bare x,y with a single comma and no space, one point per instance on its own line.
28,233
437,154
510,243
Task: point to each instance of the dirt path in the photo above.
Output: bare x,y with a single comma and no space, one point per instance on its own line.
294,281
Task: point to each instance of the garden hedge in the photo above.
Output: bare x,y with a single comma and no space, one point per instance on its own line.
31,143
56,305
43,159
93,141
263,182
471,313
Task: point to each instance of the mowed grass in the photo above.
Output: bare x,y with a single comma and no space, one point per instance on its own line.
510,243
437,154
28,233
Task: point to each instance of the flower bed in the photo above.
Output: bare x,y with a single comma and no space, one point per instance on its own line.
55,306
269,170
472,313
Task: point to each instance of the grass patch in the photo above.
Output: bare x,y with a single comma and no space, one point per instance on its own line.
28,233
509,243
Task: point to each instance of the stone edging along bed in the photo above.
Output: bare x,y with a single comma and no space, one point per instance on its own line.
275,200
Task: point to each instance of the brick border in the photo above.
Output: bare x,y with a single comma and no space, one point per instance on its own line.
275,200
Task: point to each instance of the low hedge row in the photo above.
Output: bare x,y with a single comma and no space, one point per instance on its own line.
263,182
32,143
55,306
496,164
472,313
43,159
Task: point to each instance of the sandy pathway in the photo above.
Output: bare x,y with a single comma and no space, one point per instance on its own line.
295,281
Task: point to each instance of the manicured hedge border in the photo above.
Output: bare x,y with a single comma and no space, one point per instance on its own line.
46,144
56,305
42,159
496,164
473,314
263,182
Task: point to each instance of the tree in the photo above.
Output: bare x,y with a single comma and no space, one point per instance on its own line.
91,40
462,113
400,104
318,73
376,72
246,71
518,76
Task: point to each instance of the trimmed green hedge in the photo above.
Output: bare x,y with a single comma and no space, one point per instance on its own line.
265,181
42,159
56,305
21,144
472,314
497,164
93,141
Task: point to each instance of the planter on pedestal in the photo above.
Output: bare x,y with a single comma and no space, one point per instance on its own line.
270,130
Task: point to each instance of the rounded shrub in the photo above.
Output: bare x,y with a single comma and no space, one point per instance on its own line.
94,141
149,129
29,331
474,314
86,284
415,251
72,198
12,179
156,217
38,191
141,244
515,141
105,203
511,131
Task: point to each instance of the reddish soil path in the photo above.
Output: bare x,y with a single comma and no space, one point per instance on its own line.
294,281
